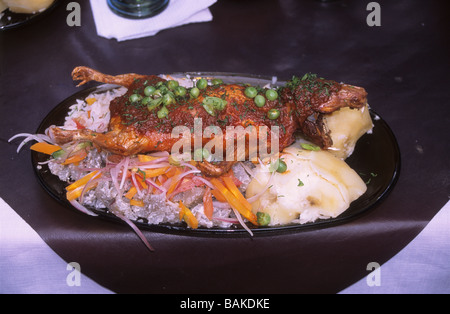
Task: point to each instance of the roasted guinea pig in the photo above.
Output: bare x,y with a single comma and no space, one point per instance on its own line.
137,127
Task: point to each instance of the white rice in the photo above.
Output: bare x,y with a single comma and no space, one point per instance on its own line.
95,116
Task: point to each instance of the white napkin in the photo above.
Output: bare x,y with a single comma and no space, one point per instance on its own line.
422,267
178,12
29,266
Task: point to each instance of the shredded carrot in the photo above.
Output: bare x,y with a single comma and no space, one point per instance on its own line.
131,193
153,173
74,194
174,182
218,196
45,148
208,204
233,188
137,203
234,202
188,216
146,158
172,172
160,180
75,158
84,180
141,182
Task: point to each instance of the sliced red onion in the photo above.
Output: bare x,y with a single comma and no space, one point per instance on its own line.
138,188
115,174
221,205
186,164
160,154
228,220
152,162
44,162
180,180
114,177
149,166
241,221
92,181
28,137
207,183
82,209
136,229
166,184
152,183
124,172
187,173
248,170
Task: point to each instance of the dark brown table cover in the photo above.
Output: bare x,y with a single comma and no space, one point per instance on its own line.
403,64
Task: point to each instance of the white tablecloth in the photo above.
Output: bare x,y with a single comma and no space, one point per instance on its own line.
29,265
422,267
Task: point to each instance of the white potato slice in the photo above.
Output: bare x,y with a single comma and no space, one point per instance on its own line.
347,126
316,185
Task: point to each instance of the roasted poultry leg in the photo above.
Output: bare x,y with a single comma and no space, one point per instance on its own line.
136,128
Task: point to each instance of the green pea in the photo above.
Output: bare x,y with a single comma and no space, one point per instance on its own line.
251,92
209,109
195,92
202,83
282,167
157,93
168,99
149,90
172,85
271,94
262,218
164,89
163,112
260,101
146,101
135,98
215,102
216,81
154,104
273,114
180,91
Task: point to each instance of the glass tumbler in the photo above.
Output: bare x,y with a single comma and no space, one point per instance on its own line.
137,9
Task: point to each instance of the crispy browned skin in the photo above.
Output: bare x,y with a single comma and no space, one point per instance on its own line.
134,129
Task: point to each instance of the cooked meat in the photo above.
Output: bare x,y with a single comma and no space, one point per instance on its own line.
135,129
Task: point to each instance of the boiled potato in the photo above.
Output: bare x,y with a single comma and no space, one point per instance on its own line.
3,6
316,185
346,128
27,6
